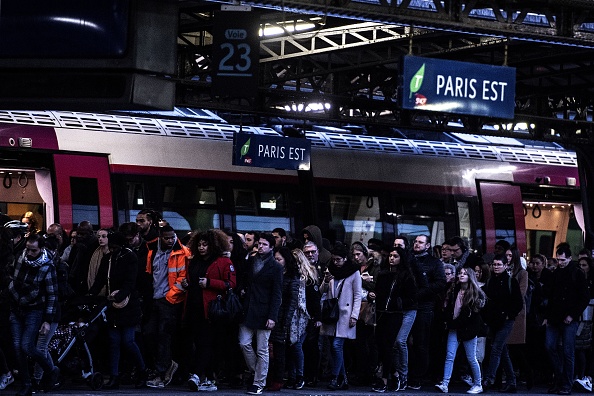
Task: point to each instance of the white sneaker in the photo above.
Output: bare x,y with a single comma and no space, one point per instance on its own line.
475,389
468,379
442,387
6,380
585,382
194,382
207,386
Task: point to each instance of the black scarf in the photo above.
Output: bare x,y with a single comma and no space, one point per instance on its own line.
347,269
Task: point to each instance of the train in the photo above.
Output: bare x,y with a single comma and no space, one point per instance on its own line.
68,167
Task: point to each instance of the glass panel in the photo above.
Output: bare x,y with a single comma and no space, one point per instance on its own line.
464,220
85,200
505,224
135,195
355,218
541,242
411,228
184,220
189,194
261,223
245,201
273,201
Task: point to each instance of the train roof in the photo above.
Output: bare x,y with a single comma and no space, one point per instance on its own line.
460,145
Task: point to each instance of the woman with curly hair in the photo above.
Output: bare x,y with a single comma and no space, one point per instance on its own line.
464,322
210,273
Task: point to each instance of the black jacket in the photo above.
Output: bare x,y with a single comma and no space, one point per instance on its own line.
122,277
263,292
504,300
431,281
567,294
289,303
401,297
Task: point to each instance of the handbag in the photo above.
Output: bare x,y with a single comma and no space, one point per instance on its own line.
330,309
120,304
114,304
226,310
367,313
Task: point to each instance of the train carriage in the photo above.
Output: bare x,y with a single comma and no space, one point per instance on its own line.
68,167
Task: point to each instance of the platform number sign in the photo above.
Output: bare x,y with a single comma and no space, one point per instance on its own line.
236,55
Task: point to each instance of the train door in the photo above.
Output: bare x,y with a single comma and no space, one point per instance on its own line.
83,187
503,214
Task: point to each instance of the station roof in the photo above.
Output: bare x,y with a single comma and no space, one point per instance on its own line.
336,62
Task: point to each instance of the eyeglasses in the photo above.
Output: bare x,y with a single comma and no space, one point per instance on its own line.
337,259
448,274
310,252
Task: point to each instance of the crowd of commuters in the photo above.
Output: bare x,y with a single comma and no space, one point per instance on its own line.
401,311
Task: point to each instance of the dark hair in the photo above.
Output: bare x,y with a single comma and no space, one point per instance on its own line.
153,215
280,231
515,260
218,242
165,228
457,241
117,239
51,242
503,243
485,271
36,238
129,229
563,248
269,238
588,261
291,266
501,257
405,239
340,250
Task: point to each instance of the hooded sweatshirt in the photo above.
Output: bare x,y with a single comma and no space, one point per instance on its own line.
325,257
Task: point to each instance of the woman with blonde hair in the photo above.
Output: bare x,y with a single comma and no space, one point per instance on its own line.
308,309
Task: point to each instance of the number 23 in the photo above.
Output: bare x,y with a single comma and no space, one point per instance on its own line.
244,53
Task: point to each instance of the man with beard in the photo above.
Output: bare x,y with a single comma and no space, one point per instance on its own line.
430,288
34,298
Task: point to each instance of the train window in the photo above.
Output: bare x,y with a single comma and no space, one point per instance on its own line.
245,201
273,201
188,193
135,195
85,200
505,223
260,211
191,219
411,228
464,219
355,218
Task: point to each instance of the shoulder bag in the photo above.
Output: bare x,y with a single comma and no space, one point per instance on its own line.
330,309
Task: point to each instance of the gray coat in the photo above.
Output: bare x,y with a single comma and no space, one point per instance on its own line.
349,303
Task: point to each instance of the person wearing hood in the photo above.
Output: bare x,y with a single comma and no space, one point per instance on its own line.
33,294
342,281
166,261
313,233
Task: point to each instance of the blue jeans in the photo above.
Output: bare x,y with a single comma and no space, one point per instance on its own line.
42,344
470,348
500,354
400,345
337,347
296,359
24,326
123,337
563,358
